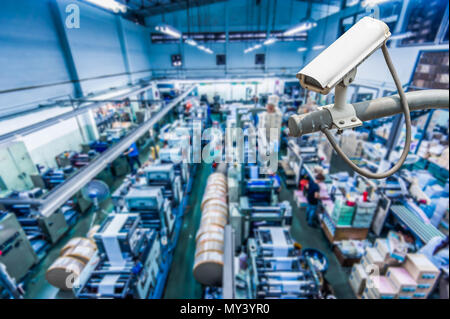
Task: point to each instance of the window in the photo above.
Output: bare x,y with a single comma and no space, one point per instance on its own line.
260,59
431,71
176,60
220,37
221,59
349,3
424,20
389,13
346,23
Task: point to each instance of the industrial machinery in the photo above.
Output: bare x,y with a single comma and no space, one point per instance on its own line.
127,265
277,270
41,229
278,215
176,157
261,192
155,210
16,252
163,175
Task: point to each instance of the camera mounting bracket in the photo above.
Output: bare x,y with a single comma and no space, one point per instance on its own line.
342,113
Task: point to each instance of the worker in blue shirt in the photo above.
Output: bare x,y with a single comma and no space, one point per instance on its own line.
133,157
313,195
276,182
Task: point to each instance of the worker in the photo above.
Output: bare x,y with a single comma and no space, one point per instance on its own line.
313,195
276,182
310,105
272,118
133,157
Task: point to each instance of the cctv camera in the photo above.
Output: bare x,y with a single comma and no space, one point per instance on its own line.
338,62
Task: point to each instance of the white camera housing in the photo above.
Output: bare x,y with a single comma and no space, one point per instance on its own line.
332,66
336,67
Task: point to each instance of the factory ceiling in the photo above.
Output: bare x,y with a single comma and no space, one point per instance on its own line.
145,8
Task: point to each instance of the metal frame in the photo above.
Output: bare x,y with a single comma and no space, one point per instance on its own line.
12,136
60,195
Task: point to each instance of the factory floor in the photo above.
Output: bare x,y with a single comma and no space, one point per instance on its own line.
181,283
313,237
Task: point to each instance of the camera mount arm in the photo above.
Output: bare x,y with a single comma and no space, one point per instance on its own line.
370,110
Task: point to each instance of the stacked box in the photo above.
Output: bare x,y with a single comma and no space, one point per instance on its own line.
372,257
423,272
388,254
365,211
342,213
403,283
379,288
357,279
300,199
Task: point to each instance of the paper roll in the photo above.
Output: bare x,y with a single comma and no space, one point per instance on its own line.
63,272
210,245
208,268
78,242
209,229
82,253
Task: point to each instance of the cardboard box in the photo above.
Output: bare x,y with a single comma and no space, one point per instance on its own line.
373,257
357,279
421,269
402,282
382,247
382,289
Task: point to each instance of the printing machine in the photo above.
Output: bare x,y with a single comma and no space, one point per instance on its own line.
261,191
41,229
277,215
277,270
175,156
154,209
163,175
127,264
115,134
16,252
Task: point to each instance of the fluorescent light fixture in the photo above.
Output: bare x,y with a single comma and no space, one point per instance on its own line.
253,48
318,47
204,49
169,30
112,5
302,49
400,36
372,3
270,41
304,26
191,42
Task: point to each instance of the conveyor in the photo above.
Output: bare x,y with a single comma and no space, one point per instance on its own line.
424,231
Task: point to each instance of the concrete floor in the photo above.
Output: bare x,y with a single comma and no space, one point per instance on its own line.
310,237
181,283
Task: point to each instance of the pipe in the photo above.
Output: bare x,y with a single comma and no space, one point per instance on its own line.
370,110
11,136
65,191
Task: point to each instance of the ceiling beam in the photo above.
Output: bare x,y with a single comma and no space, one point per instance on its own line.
173,6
